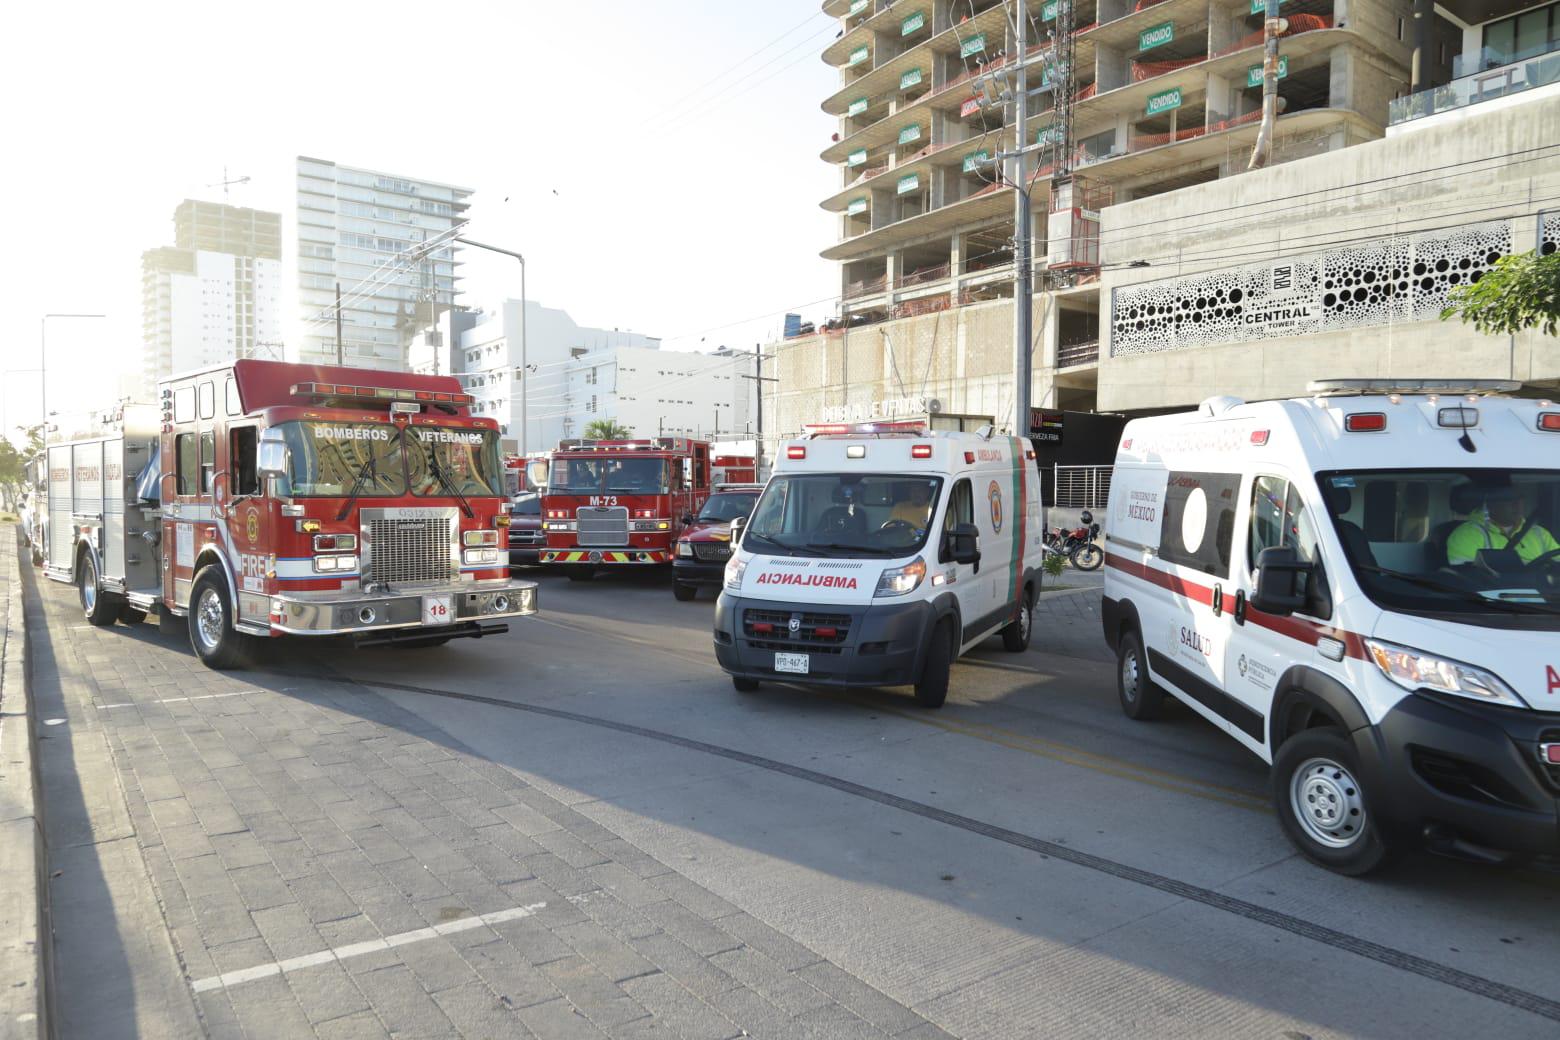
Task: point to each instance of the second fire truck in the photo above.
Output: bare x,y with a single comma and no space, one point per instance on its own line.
621,502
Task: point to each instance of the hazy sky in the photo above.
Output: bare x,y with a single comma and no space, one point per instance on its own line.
681,204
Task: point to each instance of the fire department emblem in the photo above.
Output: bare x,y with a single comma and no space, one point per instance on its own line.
252,527
994,494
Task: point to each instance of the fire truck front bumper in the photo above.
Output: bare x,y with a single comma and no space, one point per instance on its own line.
336,613
606,557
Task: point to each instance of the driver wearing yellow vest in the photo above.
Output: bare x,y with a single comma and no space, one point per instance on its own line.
914,506
1506,511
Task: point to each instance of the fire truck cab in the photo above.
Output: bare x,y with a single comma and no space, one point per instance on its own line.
621,502
262,499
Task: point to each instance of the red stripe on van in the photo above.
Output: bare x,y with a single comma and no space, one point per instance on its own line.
1299,629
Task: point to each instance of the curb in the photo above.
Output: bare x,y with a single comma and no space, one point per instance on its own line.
23,939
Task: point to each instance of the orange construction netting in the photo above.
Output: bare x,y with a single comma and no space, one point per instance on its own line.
1298,23
1142,70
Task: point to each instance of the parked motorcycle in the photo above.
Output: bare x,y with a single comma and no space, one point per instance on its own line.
1078,545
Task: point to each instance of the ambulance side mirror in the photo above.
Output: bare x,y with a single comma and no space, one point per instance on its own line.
964,544
1281,582
737,526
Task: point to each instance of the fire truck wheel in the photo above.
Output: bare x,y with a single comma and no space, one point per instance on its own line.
211,622
37,555
99,607
683,591
742,685
578,572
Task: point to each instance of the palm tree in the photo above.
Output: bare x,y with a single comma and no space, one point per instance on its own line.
607,430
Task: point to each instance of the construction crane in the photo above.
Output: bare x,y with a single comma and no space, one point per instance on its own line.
227,182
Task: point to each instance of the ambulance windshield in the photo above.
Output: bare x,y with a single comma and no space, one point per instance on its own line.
332,459
1444,541
840,514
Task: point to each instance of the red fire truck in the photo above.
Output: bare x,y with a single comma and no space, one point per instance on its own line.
615,503
263,499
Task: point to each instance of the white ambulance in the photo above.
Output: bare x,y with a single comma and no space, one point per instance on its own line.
1362,588
878,554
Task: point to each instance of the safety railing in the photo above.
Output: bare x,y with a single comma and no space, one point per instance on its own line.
1081,487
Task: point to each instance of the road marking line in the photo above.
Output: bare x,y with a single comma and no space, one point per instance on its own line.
341,953
176,700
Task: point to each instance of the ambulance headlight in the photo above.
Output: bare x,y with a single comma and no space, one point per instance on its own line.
901,581
1416,670
735,568
684,550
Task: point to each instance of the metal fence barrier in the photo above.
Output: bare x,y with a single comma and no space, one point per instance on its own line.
1082,487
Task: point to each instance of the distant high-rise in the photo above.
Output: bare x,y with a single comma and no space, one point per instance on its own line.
215,295
364,231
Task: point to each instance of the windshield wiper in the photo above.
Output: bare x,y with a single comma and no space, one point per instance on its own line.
1470,595
370,466
449,485
870,550
777,543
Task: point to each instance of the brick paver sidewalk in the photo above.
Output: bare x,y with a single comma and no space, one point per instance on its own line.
330,865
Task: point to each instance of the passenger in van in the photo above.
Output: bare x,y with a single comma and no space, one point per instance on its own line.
1506,515
913,505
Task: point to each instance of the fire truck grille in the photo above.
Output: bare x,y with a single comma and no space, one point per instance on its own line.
712,551
605,525
409,551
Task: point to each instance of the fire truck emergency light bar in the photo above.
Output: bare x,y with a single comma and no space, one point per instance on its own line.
382,393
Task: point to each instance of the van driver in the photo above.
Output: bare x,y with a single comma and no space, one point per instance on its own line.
914,505
1506,512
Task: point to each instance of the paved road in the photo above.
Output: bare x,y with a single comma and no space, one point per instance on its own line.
580,829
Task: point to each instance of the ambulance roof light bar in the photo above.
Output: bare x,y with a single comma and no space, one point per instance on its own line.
1453,387
378,393
891,428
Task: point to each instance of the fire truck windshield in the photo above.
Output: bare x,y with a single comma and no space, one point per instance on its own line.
617,476
326,460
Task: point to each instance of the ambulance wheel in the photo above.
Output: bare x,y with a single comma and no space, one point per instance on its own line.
212,635
683,591
1015,637
99,607
1323,807
931,689
131,615
744,685
1140,698
579,573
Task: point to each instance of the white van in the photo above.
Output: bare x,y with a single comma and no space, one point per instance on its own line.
879,553
1362,588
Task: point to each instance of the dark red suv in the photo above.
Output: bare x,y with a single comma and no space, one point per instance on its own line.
705,545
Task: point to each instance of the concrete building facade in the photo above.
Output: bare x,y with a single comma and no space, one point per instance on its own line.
579,374
213,296
1369,176
365,230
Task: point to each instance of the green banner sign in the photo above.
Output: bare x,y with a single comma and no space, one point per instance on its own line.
910,134
1049,135
912,24
1048,11
1157,36
975,160
857,56
1046,75
857,107
910,79
909,184
856,158
1260,6
973,45
858,7
856,206
1163,101
1254,74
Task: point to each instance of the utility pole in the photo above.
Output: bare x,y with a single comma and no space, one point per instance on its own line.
1023,289
1272,26
525,368
339,360
759,379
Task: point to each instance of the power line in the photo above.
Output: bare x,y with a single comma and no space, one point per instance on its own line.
715,103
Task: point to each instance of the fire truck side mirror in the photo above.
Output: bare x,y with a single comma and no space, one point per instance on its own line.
687,472
272,461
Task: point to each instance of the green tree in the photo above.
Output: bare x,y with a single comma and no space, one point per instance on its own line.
607,430
14,461
1520,292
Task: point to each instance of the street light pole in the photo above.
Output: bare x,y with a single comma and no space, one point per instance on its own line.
43,360
525,371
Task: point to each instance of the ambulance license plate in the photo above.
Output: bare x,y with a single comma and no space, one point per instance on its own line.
438,610
797,664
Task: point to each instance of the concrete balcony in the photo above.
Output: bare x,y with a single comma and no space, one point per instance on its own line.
1539,70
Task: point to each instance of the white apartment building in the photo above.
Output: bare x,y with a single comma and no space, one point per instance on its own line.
363,230
579,374
214,296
